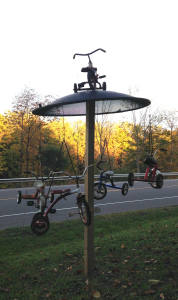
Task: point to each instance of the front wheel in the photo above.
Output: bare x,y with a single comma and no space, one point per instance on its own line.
19,197
39,224
131,179
84,210
100,190
125,189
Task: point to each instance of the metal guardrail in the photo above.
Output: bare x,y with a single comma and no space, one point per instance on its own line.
60,178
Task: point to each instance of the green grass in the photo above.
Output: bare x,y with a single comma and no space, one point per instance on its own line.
136,258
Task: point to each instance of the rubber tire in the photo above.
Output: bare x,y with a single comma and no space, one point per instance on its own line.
104,86
100,195
159,181
84,211
125,188
35,225
75,88
19,197
131,179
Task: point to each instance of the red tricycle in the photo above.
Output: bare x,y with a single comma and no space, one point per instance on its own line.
152,174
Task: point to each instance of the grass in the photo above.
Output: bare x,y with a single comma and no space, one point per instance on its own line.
136,258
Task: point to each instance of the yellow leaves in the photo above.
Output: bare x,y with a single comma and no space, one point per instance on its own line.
149,292
97,248
48,295
162,296
69,268
68,254
96,294
116,282
55,270
154,281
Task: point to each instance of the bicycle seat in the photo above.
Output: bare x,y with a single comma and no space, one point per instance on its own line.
87,69
55,192
108,173
150,161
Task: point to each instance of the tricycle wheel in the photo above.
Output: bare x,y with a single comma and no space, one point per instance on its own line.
131,179
39,224
19,197
84,210
104,86
125,189
100,190
75,88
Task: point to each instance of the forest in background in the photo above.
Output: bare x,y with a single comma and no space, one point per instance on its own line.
33,143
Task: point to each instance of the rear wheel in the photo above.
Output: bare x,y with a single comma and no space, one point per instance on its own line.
131,179
75,88
39,224
159,181
100,190
104,86
84,210
125,189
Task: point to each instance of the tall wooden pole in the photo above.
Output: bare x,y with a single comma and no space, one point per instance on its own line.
89,180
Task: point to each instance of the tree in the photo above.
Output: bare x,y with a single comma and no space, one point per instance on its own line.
24,122
52,159
103,133
170,119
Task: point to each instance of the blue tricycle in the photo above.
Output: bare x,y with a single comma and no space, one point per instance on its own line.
100,187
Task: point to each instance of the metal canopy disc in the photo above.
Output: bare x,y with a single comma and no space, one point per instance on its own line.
106,102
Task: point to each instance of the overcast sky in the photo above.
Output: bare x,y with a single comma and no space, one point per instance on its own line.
39,38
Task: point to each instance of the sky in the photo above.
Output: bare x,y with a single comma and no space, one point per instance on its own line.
39,37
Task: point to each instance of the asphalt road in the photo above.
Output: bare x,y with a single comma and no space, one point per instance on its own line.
141,196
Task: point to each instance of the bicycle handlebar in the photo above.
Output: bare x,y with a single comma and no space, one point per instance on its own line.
88,54
98,164
76,177
161,149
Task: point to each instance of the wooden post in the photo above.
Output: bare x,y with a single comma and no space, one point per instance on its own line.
89,180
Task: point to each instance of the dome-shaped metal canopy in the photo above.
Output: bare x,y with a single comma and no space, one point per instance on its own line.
106,102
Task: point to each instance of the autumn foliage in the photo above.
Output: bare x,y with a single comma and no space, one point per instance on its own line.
32,143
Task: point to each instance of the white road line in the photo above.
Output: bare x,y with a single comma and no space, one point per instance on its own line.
28,213
140,188
34,212
132,201
96,205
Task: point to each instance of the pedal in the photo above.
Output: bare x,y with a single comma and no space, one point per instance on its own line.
52,211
